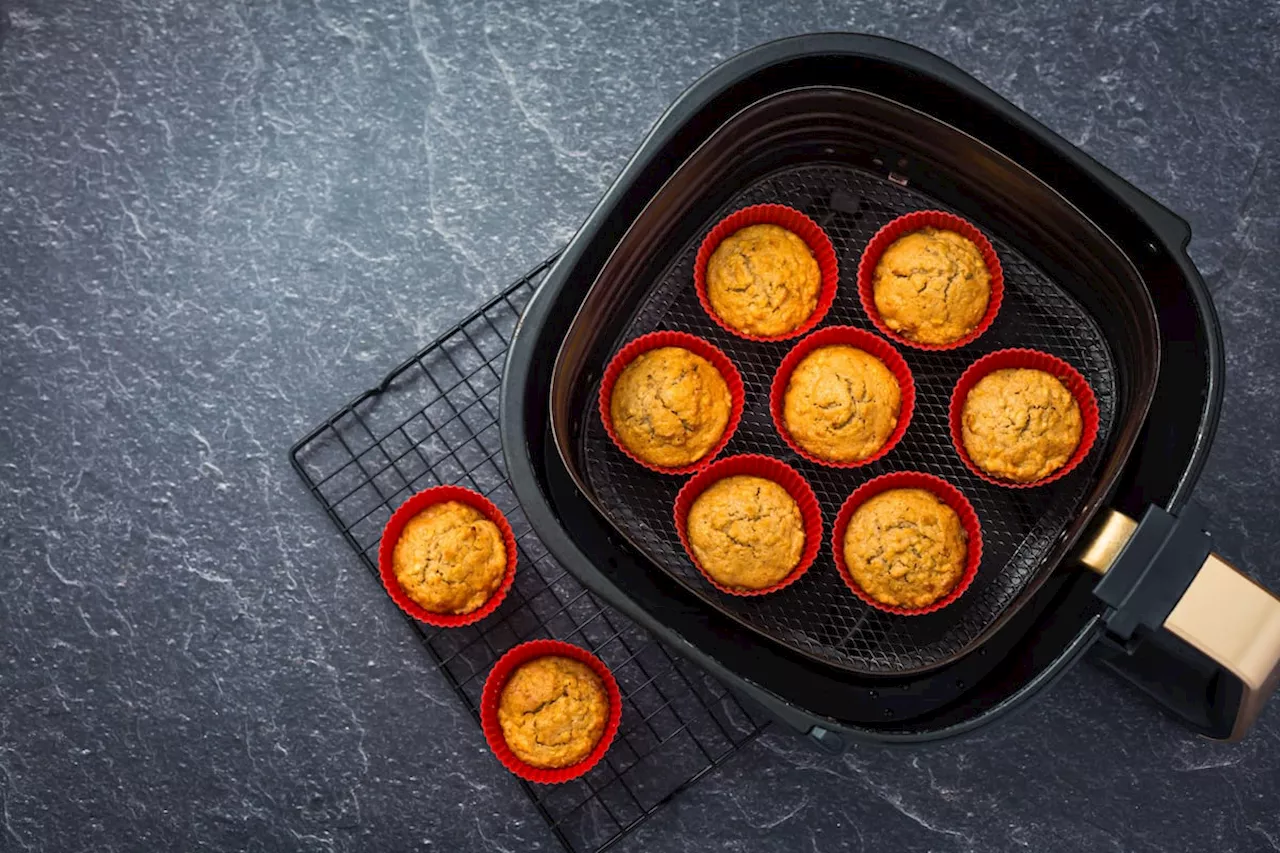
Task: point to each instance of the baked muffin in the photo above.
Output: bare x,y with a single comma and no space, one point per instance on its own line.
1020,424
841,403
670,407
932,286
746,532
763,280
450,558
905,548
553,711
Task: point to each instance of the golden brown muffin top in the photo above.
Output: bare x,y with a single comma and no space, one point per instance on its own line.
1020,424
932,286
450,558
841,403
905,548
670,406
747,532
553,711
763,280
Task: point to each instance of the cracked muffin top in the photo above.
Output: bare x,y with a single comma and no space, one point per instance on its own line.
746,532
450,558
763,280
841,403
670,407
1020,424
905,548
553,711
932,286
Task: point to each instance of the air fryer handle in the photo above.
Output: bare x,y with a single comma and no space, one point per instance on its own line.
1183,624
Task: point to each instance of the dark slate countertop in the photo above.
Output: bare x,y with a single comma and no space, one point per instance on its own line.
220,220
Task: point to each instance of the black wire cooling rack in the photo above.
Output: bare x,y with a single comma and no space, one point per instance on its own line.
434,421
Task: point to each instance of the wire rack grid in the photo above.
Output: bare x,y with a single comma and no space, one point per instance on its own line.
433,420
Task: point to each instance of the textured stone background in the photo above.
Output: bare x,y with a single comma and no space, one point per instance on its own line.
220,219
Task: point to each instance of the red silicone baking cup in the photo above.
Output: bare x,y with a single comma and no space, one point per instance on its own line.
1036,360
695,345
914,222
945,492
391,535
795,222
755,465
497,679
865,341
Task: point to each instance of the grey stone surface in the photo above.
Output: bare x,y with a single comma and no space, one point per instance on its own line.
219,219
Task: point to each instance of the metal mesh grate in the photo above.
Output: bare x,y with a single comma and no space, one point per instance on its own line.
818,616
434,421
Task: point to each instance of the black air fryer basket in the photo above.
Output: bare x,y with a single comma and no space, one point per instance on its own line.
855,131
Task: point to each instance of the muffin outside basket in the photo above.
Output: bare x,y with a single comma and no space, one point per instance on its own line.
868,343
1036,360
941,489
914,221
755,465
492,692
391,535
695,345
795,222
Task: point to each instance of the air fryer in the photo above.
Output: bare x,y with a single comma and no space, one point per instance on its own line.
854,128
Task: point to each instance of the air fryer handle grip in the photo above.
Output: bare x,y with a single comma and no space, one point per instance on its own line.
1183,624
1234,622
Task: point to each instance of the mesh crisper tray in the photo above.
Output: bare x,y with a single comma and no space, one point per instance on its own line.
434,421
818,616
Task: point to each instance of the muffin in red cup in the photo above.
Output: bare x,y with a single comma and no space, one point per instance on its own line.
907,543
931,280
550,710
766,273
842,397
1021,418
447,556
750,524
670,401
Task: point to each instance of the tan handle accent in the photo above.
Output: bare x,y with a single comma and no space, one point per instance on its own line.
1235,622
1223,614
1110,540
